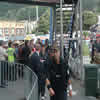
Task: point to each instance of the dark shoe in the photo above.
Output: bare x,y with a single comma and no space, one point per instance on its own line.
2,86
5,84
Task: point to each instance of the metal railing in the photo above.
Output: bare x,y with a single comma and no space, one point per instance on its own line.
33,94
14,75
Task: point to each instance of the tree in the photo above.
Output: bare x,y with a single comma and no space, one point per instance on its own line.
9,11
89,19
43,24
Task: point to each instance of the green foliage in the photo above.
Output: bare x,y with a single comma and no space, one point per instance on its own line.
85,34
43,24
89,19
18,12
39,33
34,31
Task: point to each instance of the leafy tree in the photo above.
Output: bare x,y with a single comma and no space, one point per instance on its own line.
89,19
9,11
43,24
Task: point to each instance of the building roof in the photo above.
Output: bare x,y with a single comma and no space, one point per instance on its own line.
17,38
41,2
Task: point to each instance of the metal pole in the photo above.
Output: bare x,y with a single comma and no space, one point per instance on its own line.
51,30
37,13
0,73
81,55
54,23
61,21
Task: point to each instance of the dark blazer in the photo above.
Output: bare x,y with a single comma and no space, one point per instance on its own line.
25,54
35,63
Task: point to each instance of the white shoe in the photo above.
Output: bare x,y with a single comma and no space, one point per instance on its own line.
42,98
45,96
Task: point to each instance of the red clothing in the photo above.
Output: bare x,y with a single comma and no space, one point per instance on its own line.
33,50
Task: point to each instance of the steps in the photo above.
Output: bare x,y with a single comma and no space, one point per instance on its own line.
68,11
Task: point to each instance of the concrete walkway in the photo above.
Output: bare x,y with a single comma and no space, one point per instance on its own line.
86,59
80,92
18,90
14,91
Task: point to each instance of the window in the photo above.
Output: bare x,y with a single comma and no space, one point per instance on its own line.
17,31
1,31
22,31
12,31
6,31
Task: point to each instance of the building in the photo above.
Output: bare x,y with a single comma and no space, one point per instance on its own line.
11,28
30,26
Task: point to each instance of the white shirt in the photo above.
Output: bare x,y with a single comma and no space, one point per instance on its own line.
37,53
2,53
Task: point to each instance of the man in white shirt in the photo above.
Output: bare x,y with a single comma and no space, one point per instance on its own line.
3,56
3,53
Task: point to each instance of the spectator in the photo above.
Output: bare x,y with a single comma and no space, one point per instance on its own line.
35,63
32,44
11,52
46,46
57,77
39,41
3,56
11,59
26,52
43,78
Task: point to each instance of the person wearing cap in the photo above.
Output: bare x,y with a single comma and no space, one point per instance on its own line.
57,76
43,57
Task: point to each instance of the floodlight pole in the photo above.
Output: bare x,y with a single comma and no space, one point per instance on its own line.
37,13
54,24
81,55
61,22
51,27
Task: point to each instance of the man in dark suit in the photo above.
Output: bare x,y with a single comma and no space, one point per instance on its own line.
35,60
35,64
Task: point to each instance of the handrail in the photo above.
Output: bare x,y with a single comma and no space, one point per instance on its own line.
29,96
13,71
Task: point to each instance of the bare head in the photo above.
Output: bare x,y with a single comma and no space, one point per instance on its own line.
38,47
